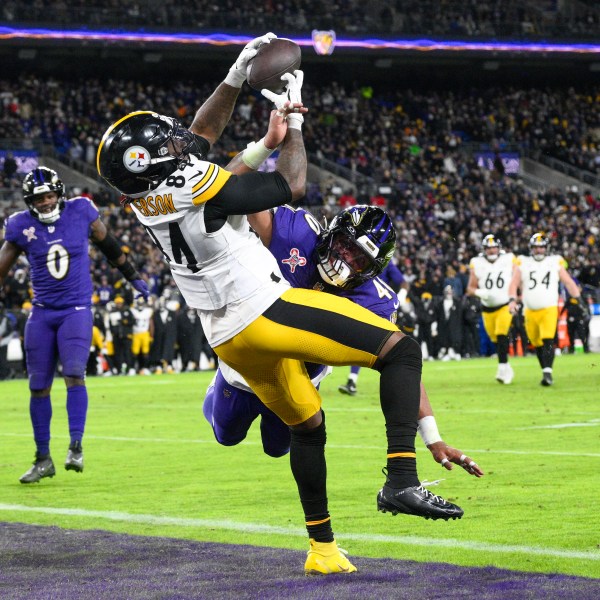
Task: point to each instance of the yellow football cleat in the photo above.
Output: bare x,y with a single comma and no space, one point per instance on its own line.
325,558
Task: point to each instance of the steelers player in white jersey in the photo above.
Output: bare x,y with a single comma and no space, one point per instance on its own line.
538,277
489,277
257,324
143,334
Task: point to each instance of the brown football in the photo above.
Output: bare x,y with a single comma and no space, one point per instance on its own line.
271,62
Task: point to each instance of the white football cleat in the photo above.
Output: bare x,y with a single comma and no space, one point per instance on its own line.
505,374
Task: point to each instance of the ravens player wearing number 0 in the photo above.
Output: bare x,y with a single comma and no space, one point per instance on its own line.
54,235
196,213
490,274
538,277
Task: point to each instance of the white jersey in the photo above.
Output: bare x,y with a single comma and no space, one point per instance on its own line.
540,280
142,318
494,277
227,275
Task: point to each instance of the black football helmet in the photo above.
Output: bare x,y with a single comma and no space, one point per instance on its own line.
141,150
538,240
357,246
38,182
491,241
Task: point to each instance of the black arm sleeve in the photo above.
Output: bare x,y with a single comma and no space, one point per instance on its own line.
246,194
110,247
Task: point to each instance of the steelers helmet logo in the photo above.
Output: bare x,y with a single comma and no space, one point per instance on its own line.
136,159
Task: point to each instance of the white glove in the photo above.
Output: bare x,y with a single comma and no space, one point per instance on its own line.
292,94
237,73
483,295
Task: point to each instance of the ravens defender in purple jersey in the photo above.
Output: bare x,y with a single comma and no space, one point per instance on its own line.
305,253
304,250
54,235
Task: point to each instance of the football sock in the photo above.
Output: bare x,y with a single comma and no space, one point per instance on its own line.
540,357
400,390
77,403
548,353
307,460
40,410
502,348
353,376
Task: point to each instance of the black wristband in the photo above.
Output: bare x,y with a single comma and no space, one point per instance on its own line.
512,300
129,271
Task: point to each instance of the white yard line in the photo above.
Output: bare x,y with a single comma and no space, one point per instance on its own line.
269,529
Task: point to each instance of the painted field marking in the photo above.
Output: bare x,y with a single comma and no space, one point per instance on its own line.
592,423
270,529
143,440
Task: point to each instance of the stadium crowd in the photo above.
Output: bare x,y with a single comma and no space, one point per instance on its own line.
71,115
453,17
442,201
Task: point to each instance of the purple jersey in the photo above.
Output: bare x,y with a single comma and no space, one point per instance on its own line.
57,253
294,241
231,410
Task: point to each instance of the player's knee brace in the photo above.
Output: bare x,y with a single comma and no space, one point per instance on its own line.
406,352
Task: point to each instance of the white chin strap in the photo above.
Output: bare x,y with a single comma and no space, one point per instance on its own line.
539,257
492,258
49,217
335,273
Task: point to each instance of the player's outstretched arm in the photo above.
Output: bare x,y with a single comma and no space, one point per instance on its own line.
292,162
256,153
442,453
213,116
110,247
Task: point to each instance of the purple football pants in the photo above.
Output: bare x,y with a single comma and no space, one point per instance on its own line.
50,335
231,411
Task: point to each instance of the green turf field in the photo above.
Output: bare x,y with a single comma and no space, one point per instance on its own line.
153,468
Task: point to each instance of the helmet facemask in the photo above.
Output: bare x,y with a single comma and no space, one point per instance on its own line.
346,262
489,243
536,242
356,247
38,183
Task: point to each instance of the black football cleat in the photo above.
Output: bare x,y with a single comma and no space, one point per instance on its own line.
416,500
42,467
74,461
349,388
546,379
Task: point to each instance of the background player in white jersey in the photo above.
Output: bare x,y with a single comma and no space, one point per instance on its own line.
143,334
489,277
256,323
538,277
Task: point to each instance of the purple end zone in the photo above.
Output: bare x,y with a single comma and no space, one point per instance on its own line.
51,563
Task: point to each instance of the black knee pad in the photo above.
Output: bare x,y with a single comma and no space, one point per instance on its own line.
406,352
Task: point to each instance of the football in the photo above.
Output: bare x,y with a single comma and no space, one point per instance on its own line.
271,62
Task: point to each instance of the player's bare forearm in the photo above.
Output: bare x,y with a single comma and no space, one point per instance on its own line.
212,117
237,166
425,409
292,163
262,223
